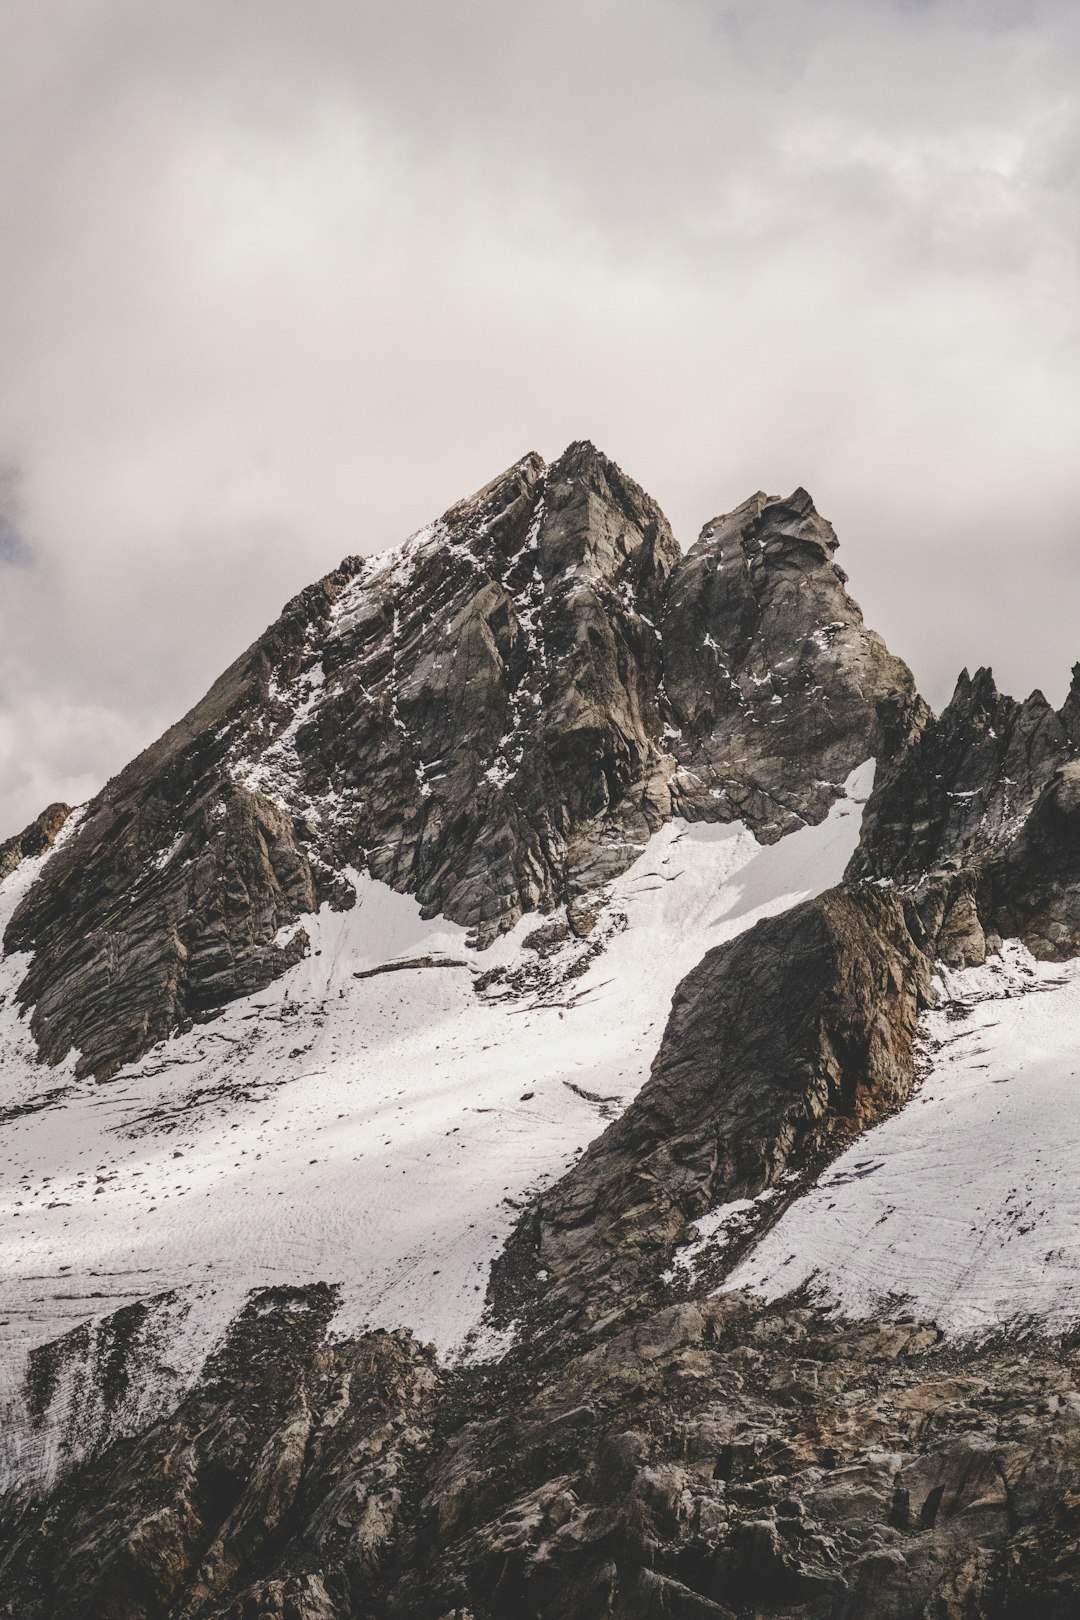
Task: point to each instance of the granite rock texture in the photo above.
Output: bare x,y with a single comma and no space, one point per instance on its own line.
709,1459
781,1046
494,718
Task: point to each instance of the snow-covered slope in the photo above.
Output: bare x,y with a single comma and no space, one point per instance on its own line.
964,1209
373,1119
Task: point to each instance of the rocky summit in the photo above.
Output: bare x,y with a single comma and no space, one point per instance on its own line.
551,1093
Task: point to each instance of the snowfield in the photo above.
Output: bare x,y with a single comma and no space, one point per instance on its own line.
963,1209
375,1119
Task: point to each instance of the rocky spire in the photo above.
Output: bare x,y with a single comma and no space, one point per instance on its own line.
494,718
775,687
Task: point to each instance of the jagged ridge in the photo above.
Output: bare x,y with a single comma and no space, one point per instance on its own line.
495,719
714,1457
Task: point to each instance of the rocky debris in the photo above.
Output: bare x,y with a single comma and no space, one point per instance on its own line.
718,1458
33,840
775,688
781,1046
495,718
714,1458
288,1442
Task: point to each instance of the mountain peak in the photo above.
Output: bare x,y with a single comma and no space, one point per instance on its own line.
579,456
774,530
492,718
522,475
652,1098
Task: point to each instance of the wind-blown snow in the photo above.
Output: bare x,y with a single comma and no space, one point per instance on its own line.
963,1209
375,1129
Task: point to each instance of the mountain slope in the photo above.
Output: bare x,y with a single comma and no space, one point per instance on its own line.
750,1280
475,721
375,1118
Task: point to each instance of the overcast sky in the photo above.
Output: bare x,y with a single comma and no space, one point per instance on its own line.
281,279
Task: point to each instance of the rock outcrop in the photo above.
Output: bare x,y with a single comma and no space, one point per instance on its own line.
287,1436
494,719
712,1459
34,840
775,686
964,785
781,1046
976,816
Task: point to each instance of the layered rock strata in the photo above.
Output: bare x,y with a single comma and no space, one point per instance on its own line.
495,719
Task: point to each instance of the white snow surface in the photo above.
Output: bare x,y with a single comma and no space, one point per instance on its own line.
718,1228
377,1132
964,1208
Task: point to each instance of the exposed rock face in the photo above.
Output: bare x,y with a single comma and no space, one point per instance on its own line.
977,817
776,687
716,1461
285,1436
780,1047
167,901
495,719
1033,889
33,840
964,785
484,720
712,1459
520,668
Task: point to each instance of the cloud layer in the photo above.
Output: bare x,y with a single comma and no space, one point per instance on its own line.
280,282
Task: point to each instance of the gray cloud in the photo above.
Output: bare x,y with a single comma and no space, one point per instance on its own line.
281,282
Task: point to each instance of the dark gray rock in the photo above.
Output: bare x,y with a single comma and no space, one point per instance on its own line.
1032,890
962,787
662,1470
476,720
285,1437
781,1046
776,688
978,817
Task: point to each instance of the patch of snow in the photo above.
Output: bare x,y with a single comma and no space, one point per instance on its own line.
964,1208
489,1343
22,1079
272,771
161,861
826,633
371,1119
717,1229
